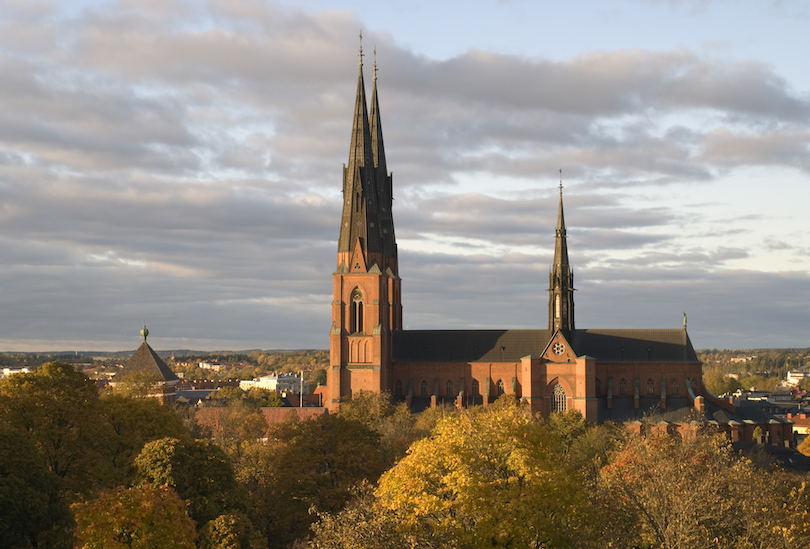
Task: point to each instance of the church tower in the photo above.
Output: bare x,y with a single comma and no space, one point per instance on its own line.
366,287
561,281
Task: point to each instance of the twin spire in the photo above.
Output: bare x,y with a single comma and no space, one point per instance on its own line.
367,223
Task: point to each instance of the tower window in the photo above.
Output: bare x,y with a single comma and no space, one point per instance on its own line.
398,388
558,399
622,388
500,387
356,314
650,387
475,390
449,391
673,388
423,389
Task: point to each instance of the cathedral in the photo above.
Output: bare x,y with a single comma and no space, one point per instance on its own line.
618,375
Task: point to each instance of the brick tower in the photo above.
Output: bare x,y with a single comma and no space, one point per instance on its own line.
366,304
561,281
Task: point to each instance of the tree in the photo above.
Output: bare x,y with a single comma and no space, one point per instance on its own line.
133,423
139,384
232,428
56,408
395,424
319,376
33,515
145,517
305,465
200,473
231,531
488,478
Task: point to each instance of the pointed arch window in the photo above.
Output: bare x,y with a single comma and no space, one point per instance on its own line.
500,387
398,388
423,389
475,388
650,387
449,389
622,388
356,315
673,388
558,399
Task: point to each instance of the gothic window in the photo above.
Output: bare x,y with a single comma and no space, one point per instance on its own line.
423,390
598,387
475,389
500,387
558,400
356,316
557,307
622,388
398,388
650,387
673,388
357,202
449,388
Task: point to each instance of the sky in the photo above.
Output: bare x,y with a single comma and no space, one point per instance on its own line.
179,164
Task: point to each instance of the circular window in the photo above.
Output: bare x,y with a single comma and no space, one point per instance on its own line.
558,348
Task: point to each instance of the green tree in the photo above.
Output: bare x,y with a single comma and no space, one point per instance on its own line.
133,423
57,409
319,376
233,428
488,478
231,531
200,472
139,384
32,513
145,517
305,465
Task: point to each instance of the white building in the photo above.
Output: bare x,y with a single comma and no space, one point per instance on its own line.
280,383
11,371
795,376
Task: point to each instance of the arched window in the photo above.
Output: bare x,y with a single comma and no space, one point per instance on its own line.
558,400
356,320
449,391
423,390
597,387
650,387
622,388
475,389
398,388
500,387
673,388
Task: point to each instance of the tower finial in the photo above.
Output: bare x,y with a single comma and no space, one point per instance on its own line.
374,70
684,320
561,187
144,332
360,55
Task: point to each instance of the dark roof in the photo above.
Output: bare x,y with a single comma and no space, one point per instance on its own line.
468,345
512,345
634,345
147,359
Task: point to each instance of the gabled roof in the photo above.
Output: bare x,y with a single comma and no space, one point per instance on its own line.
512,345
147,359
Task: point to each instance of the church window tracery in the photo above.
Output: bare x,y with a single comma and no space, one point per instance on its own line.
449,389
500,387
423,389
673,388
622,388
475,388
558,399
650,387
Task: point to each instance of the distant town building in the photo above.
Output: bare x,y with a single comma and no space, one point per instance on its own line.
280,383
11,371
800,374
145,359
214,366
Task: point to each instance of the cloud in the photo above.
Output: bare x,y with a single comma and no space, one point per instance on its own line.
180,162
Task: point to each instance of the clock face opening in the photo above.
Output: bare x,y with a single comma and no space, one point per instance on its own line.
558,348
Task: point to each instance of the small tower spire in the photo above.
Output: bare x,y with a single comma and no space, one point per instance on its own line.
561,278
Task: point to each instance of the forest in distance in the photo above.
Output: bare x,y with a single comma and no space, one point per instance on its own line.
86,469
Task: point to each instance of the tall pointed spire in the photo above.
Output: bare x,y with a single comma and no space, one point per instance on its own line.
561,278
384,179
360,215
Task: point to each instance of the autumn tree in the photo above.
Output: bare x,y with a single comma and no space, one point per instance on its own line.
32,513
134,422
488,478
306,465
144,517
199,471
57,408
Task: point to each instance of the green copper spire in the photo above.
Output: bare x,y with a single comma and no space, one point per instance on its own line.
144,333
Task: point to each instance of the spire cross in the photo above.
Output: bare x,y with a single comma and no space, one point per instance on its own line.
561,185
360,55
374,72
